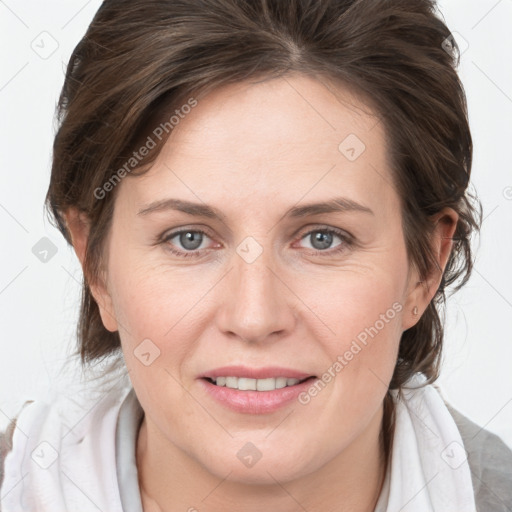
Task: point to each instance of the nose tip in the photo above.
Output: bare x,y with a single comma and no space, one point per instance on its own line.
257,305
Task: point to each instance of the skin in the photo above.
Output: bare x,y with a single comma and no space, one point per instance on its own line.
253,151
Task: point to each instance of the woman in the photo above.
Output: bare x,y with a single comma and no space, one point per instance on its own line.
268,199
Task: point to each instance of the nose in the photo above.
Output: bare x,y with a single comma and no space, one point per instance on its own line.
258,304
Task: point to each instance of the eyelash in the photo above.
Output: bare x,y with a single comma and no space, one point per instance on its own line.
347,242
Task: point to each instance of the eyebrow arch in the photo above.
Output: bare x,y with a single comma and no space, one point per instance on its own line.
339,204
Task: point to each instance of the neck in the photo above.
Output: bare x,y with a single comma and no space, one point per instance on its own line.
171,481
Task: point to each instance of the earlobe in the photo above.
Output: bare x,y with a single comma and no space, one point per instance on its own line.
106,307
78,226
416,303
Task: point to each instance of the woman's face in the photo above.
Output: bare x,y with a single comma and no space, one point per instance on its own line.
271,285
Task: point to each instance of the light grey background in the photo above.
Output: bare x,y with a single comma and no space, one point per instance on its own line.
38,300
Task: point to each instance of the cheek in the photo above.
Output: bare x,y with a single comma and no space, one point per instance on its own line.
150,299
150,307
357,305
360,330
163,312
157,337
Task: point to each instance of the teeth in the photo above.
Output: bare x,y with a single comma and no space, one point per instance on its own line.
232,382
266,384
281,382
245,384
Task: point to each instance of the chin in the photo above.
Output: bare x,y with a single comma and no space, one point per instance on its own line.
251,466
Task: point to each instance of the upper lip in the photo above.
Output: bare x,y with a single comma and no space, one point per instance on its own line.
255,373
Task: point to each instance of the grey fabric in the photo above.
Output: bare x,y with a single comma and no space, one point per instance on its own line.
490,459
490,462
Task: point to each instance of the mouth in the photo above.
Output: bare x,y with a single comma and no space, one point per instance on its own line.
255,396
249,384
255,390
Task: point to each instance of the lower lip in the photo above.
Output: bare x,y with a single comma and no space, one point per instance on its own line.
255,402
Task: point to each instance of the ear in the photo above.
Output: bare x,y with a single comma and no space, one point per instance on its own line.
420,293
78,225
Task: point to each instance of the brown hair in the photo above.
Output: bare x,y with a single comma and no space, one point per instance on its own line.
141,59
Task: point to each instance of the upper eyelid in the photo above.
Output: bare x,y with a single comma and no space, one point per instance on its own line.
172,233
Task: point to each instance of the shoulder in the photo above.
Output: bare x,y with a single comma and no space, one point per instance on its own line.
490,463
72,426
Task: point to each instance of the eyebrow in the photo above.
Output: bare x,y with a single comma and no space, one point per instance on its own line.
338,204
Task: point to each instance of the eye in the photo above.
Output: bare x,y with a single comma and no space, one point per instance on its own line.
322,239
189,239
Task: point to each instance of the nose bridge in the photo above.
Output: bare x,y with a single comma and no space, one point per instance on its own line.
254,277
257,303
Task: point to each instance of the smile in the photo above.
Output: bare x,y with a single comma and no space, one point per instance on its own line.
254,396
247,384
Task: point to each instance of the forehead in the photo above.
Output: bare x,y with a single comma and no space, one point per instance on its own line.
281,139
